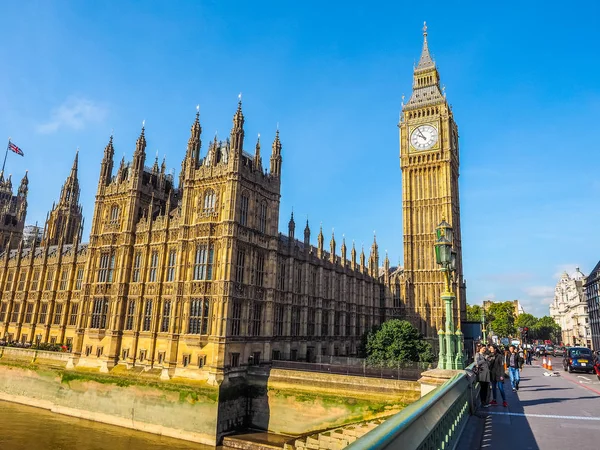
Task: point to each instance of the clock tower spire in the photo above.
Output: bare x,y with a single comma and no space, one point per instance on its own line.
429,161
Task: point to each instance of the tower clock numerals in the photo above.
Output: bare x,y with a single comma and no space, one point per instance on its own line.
424,137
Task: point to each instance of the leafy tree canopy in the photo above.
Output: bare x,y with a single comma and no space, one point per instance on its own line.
502,318
547,329
474,313
526,320
397,341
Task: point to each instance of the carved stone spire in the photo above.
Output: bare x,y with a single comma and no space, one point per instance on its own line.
291,229
320,243
237,132
139,156
107,163
276,155
24,187
332,247
307,236
257,158
65,218
343,251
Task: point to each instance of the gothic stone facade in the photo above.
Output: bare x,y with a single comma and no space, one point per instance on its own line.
195,280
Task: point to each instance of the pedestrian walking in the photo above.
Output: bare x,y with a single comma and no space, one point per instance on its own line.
483,376
496,362
529,356
514,363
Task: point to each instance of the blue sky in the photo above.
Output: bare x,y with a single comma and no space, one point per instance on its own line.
522,80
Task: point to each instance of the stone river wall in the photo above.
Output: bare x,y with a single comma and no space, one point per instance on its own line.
280,401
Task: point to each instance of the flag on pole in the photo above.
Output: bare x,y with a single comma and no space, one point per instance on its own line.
13,148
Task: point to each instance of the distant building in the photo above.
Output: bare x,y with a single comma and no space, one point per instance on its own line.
517,305
570,310
591,287
32,233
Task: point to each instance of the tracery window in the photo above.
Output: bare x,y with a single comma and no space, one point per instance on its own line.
153,266
64,279
15,312
166,316
130,315
171,265
79,280
278,313
22,280
262,218
203,262
58,308
114,214
147,319
107,267
49,279
260,269
137,262
28,313
255,316
99,312
73,316
209,201
245,202
236,316
295,321
239,268
198,319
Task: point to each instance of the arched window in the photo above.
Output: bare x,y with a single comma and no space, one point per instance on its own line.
209,202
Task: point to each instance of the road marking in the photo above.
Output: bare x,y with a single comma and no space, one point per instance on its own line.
544,416
578,383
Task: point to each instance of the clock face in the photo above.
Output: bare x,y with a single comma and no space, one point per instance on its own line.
424,137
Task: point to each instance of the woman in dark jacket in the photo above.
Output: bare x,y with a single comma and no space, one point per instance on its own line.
496,362
483,376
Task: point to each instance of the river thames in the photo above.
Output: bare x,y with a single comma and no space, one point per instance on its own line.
27,428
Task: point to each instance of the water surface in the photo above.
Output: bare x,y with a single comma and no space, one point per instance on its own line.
27,428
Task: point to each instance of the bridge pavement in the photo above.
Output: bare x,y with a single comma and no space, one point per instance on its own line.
547,413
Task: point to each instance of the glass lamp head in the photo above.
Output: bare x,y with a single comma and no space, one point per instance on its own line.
445,229
443,252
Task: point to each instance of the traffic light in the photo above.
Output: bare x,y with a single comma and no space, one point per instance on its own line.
525,333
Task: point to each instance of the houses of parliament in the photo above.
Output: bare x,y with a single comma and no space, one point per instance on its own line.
193,276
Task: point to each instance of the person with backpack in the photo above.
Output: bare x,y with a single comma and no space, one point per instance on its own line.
496,363
482,368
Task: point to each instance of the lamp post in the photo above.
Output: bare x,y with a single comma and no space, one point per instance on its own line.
451,354
484,340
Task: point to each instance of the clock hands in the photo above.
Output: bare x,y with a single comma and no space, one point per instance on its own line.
421,133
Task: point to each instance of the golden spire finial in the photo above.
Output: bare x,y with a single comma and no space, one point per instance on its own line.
425,29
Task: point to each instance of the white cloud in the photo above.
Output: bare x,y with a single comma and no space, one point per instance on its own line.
74,113
540,291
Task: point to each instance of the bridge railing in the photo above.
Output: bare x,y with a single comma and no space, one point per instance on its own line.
410,371
433,422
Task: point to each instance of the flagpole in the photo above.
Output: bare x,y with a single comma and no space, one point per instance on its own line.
5,155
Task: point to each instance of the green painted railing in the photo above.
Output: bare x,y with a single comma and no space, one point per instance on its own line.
434,422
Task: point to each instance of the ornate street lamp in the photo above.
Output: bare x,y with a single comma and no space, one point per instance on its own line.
484,340
451,354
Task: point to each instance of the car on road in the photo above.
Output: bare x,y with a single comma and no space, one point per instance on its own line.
549,350
578,359
558,351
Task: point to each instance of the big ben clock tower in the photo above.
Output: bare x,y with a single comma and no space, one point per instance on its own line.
429,160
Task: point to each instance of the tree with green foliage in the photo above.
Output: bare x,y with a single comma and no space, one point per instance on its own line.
502,318
397,341
547,329
474,313
526,320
